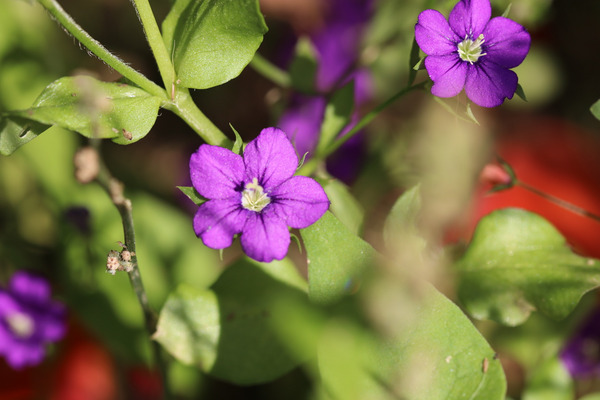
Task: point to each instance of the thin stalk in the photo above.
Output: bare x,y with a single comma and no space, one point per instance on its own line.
99,50
270,71
114,189
155,40
562,203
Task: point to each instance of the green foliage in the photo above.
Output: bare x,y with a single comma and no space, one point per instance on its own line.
192,194
303,68
595,109
551,381
343,204
82,104
212,41
518,262
227,330
336,259
337,115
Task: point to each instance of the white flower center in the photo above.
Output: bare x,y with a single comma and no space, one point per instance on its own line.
20,324
469,50
253,197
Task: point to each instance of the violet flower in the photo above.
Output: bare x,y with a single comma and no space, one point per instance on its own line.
472,51
337,47
581,354
255,195
29,320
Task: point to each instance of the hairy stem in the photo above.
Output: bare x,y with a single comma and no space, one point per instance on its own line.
99,50
155,40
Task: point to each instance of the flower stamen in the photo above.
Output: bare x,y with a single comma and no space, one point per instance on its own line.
253,197
470,51
20,324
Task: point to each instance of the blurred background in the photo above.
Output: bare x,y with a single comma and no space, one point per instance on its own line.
63,230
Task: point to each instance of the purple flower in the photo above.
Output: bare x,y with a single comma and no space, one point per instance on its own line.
255,195
28,320
472,51
581,354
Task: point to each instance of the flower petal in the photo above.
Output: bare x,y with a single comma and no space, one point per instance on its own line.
299,202
506,42
265,237
302,121
488,84
216,172
448,74
29,288
469,17
433,34
271,158
216,221
52,323
23,354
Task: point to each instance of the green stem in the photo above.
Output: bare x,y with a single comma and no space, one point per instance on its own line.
270,71
100,51
310,166
184,107
155,40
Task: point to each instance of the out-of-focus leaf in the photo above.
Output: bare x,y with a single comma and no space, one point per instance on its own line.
303,68
82,104
343,204
518,262
403,217
212,41
595,109
550,381
336,258
337,115
227,331
436,354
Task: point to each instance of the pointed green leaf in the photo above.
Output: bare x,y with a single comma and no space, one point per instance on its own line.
413,62
337,115
595,109
227,331
192,194
336,258
520,92
518,262
85,105
238,145
303,68
212,41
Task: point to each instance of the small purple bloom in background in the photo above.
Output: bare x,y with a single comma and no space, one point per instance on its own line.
29,319
581,354
337,45
472,51
255,195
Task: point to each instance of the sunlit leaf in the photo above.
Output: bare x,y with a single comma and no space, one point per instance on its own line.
82,104
212,41
227,331
344,205
595,109
336,258
518,262
303,68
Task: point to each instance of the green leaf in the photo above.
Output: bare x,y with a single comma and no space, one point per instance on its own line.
238,145
212,41
413,62
337,115
550,381
83,104
518,262
400,232
192,194
595,109
344,205
336,259
520,92
507,11
436,354
303,68
227,331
